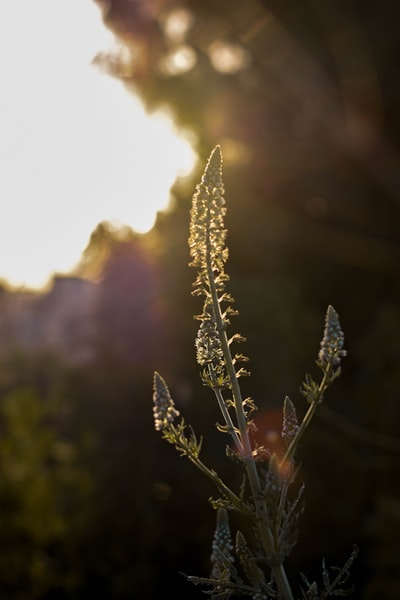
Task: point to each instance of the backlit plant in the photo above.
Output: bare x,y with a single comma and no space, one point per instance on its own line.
269,499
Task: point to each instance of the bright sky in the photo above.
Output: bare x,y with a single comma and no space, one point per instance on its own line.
75,147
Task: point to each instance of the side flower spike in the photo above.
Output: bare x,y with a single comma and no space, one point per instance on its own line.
164,410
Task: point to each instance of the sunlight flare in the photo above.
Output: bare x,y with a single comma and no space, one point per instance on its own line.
76,147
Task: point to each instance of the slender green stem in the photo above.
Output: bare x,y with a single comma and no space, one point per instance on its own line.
281,507
215,478
282,582
315,401
261,511
237,396
225,412
182,444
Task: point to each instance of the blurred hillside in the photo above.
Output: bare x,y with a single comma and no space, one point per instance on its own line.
56,321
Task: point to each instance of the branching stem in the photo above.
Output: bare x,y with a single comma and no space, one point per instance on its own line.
225,412
314,402
251,469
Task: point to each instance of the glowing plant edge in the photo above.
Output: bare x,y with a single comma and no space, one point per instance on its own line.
253,569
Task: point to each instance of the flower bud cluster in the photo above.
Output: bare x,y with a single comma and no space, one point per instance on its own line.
208,344
290,423
247,559
273,479
207,232
222,546
164,410
333,340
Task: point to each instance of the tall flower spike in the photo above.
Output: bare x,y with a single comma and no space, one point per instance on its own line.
207,233
208,251
332,343
164,410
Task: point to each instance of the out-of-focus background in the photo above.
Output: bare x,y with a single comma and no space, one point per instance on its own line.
304,99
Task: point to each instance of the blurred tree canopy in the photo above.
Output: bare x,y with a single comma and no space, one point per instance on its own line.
303,98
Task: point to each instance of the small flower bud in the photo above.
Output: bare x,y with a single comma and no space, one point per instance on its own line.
248,562
290,424
332,343
273,479
164,409
222,546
